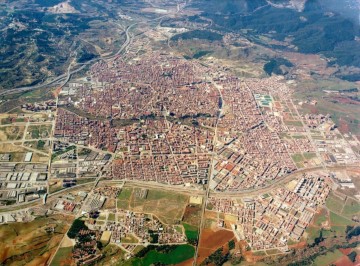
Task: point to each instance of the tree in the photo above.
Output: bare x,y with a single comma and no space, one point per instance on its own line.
76,227
352,256
231,244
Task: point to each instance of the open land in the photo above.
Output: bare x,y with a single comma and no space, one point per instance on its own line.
167,135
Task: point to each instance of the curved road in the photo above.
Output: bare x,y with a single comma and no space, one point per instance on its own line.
284,179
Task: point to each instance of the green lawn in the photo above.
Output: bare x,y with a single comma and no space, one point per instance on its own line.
179,254
61,254
191,231
328,258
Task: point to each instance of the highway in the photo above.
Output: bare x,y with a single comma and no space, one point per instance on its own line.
36,202
64,78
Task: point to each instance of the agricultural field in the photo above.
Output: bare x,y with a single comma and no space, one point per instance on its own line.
32,243
212,240
333,219
63,257
191,232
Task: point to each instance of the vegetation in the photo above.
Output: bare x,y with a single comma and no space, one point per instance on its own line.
275,64
198,34
332,36
328,258
69,148
163,255
200,54
217,258
37,239
352,256
76,227
62,254
352,231
191,233
231,244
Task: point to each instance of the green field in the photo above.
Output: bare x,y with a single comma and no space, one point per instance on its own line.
179,254
273,251
309,155
259,253
328,258
38,131
111,217
191,231
61,254
298,137
334,203
169,195
297,157
124,198
111,253
320,218
295,123
125,194
351,208
168,206
313,232
337,220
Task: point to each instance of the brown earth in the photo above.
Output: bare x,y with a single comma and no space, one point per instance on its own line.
343,126
192,215
188,262
302,244
344,261
211,241
30,243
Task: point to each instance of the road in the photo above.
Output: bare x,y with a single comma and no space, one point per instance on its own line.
64,78
282,180
202,219
33,203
